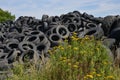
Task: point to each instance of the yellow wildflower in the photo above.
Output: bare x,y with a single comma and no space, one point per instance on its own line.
110,77
98,49
98,75
68,60
75,66
58,46
105,62
77,63
66,40
92,62
69,64
93,72
75,48
69,46
85,77
86,38
64,57
83,52
89,76
103,72
91,53
72,37
55,47
74,33
64,60
75,39
62,48
49,51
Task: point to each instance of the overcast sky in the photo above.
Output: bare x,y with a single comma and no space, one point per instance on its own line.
37,8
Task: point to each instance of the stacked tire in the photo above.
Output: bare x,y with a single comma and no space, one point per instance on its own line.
31,37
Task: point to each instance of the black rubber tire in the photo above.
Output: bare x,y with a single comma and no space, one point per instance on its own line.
117,57
51,30
97,32
29,56
45,24
13,29
36,39
53,24
33,38
91,25
107,24
12,45
43,47
115,34
110,53
45,17
11,40
2,38
55,39
36,32
82,33
66,20
47,33
2,54
115,25
43,39
20,37
13,55
77,13
72,27
76,20
25,45
26,31
56,19
109,42
62,31
41,27
4,65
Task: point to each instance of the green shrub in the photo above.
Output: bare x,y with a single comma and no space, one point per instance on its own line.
5,15
81,59
84,59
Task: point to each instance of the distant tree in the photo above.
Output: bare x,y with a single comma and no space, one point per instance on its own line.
5,15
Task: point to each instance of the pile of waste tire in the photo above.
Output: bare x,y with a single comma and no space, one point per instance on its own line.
31,37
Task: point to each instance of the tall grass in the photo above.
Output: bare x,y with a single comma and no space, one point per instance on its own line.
80,59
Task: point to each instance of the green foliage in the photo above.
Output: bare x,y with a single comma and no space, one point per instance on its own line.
5,15
20,72
81,59
84,59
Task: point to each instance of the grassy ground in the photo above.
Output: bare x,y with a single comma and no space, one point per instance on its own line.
81,59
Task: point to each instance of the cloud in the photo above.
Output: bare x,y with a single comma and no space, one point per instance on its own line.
37,8
104,9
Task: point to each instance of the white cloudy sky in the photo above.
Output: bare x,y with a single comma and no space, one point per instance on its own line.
37,8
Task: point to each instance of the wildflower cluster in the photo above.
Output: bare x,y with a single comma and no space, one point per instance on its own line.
80,59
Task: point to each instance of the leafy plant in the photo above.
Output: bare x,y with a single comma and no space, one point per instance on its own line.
5,15
81,59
